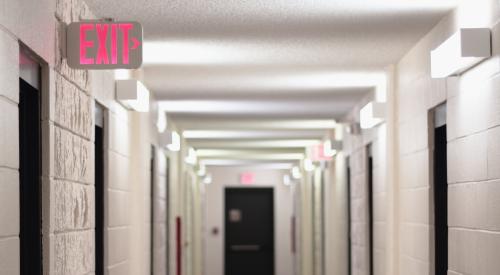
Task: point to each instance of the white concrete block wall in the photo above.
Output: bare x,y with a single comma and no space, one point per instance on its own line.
9,155
355,147
68,159
473,142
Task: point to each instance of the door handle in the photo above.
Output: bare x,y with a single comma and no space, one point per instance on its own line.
245,248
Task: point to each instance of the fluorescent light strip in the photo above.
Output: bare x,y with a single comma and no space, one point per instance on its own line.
248,163
251,134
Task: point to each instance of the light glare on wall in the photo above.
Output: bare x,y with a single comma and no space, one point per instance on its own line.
461,51
372,114
133,95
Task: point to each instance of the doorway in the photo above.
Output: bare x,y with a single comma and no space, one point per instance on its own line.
99,188
369,167
30,168
349,217
249,234
440,190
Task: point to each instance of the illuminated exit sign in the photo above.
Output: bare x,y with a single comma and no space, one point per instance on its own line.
102,45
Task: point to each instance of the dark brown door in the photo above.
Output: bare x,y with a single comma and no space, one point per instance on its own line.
30,188
99,189
249,215
441,200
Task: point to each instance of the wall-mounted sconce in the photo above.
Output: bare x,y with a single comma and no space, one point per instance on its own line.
286,180
296,174
202,170
207,179
308,165
191,158
353,128
161,122
175,142
133,95
461,51
372,114
331,147
170,140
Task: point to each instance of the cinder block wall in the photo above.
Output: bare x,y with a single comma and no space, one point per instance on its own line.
9,154
356,149
473,151
68,98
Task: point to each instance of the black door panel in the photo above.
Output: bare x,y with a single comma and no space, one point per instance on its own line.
249,218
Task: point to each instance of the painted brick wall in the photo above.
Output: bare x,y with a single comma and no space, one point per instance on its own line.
68,159
9,155
355,147
473,150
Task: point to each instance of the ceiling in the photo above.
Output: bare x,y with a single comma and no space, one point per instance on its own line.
236,65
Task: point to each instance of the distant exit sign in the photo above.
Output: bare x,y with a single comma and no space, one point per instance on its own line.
247,178
102,45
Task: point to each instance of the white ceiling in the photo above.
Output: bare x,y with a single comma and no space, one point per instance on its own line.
219,62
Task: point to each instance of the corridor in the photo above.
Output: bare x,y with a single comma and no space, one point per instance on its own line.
224,137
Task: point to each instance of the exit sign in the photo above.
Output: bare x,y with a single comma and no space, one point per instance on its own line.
247,178
102,45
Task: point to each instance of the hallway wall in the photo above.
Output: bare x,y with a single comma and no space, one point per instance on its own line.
473,151
356,148
67,142
9,155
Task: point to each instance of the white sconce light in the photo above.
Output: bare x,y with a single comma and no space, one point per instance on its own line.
296,174
372,114
202,171
175,142
133,95
286,180
461,51
207,179
331,147
353,128
191,157
161,123
308,165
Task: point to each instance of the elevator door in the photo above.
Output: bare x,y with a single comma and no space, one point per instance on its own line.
30,192
249,232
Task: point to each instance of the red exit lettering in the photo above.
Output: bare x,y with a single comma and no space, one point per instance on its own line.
105,31
103,45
